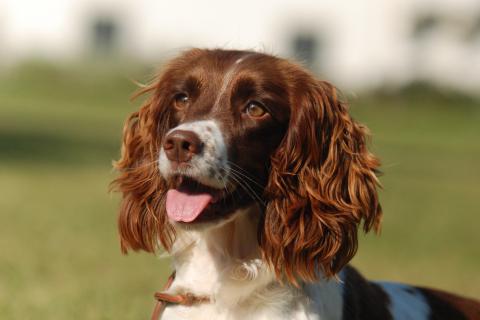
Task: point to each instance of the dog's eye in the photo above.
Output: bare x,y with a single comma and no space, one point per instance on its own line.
181,100
255,109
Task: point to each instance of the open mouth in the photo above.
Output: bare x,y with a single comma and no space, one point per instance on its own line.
190,199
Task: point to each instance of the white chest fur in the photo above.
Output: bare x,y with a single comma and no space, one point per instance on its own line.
225,264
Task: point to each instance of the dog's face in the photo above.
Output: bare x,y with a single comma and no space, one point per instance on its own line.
223,130
229,112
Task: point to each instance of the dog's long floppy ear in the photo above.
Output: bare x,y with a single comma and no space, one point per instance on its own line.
322,185
140,224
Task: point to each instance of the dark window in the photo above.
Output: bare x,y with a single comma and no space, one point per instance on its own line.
104,34
306,47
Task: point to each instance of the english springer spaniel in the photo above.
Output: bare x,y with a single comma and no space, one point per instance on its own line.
254,177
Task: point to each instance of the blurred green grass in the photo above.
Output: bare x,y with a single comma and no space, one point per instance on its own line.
60,128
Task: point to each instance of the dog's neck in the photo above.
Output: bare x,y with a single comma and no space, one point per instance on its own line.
223,262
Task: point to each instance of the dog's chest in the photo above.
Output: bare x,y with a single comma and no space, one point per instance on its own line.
259,310
313,302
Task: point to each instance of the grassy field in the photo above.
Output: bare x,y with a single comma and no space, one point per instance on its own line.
59,255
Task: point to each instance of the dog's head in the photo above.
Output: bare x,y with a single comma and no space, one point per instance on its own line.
225,130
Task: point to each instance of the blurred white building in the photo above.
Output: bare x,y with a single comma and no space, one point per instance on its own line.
357,44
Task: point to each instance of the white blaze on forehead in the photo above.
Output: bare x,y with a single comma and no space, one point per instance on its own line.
228,78
210,166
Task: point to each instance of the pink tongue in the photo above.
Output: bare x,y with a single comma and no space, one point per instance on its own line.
186,207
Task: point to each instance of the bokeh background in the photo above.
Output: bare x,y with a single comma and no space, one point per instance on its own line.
409,68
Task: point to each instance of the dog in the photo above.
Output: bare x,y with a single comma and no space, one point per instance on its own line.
252,174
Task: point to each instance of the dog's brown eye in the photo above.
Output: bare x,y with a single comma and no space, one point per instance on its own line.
255,109
181,100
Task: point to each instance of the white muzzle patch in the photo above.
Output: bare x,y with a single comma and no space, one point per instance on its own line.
209,167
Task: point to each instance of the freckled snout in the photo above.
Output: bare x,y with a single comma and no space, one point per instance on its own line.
181,145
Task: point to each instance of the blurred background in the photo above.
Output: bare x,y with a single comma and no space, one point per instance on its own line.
409,68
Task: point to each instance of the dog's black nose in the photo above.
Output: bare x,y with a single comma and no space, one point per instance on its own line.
182,145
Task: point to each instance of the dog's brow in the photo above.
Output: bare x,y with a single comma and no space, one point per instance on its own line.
228,78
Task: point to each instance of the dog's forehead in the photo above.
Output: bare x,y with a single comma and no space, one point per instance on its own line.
215,65
220,84
214,74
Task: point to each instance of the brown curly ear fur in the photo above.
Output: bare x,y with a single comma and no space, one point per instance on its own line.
140,224
322,185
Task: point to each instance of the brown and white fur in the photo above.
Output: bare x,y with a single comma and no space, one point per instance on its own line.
285,180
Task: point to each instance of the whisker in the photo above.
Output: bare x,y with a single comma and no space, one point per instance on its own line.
248,189
238,176
225,186
244,173
239,182
249,193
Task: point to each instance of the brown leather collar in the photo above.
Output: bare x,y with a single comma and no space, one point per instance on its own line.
163,299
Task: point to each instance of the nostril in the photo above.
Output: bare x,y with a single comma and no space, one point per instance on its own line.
168,144
186,145
195,148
